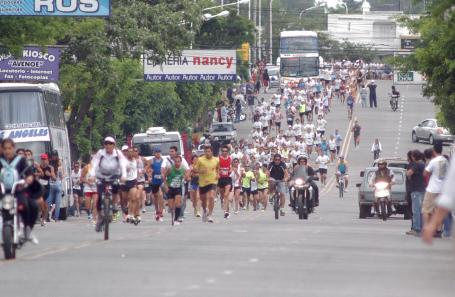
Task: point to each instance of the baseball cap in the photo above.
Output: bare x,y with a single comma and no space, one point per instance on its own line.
124,148
44,156
109,139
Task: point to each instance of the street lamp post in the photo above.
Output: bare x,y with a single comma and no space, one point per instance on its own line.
270,32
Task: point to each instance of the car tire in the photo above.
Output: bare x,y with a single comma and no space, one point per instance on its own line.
431,139
363,211
414,137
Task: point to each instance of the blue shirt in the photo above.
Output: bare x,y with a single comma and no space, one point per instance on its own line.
157,179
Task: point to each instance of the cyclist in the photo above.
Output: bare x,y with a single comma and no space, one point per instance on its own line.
173,187
376,149
106,163
342,171
225,180
207,167
278,171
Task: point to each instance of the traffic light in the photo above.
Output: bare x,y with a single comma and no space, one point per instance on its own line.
245,51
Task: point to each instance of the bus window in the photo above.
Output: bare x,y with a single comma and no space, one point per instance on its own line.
21,108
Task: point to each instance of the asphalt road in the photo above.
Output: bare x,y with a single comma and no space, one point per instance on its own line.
332,254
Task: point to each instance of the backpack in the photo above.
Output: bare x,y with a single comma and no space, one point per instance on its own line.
9,174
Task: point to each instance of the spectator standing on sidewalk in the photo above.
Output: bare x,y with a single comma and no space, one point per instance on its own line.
437,170
416,184
373,101
445,204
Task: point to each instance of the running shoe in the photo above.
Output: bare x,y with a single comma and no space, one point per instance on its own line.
89,217
198,215
282,213
180,220
144,210
210,220
204,216
176,223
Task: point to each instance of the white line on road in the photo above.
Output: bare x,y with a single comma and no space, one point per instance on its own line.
253,260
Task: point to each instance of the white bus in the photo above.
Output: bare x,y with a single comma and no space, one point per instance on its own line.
299,55
32,116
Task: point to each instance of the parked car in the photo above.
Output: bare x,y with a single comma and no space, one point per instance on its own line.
274,75
366,193
430,131
223,131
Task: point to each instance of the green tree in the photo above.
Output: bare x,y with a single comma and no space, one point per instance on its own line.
435,57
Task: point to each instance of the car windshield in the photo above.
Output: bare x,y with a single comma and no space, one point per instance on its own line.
221,128
273,72
146,148
399,178
299,67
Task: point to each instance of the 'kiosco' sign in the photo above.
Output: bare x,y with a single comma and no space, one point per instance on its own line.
86,8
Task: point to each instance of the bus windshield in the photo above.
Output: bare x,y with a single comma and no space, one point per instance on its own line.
295,45
146,148
21,110
299,67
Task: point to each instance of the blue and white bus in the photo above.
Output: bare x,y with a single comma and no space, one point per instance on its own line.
299,55
32,115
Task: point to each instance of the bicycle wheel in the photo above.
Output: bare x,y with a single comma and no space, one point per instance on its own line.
341,189
106,218
276,205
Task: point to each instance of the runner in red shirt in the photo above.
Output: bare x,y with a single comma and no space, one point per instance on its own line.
225,180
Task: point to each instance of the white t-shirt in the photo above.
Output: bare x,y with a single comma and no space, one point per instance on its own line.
311,126
438,167
297,129
322,123
237,155
264,121
236,178
309,138
131,170
322,161
332,144
257,125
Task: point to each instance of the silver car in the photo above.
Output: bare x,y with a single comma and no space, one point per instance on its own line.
430,131
223,131
274,75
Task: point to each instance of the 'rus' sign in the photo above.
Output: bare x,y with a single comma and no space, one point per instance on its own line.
86,8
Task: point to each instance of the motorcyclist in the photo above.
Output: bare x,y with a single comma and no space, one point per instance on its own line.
13,168
395,95
306,172
382,174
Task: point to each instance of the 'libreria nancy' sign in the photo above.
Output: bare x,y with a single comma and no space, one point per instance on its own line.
83,8
192,66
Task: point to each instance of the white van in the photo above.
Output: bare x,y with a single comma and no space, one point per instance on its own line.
157,137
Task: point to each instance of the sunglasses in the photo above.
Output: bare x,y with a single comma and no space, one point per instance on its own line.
108,142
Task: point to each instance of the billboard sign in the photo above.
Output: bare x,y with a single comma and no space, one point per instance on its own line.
35,65
408,78
193,66
80,8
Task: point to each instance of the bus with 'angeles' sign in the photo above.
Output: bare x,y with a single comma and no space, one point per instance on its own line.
32,116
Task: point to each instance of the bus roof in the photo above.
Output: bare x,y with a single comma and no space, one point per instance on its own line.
298,34
26,86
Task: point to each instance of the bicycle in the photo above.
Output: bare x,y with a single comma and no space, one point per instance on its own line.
341,185
107,206
275,197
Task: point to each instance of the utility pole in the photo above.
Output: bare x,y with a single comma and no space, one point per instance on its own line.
260,30
270,32
255,47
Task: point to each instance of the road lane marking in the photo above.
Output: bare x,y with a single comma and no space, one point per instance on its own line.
228,272
253,260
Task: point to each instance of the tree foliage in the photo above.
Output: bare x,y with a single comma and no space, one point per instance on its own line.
435,57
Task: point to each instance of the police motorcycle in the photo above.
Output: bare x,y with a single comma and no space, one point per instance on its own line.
394,101
12,237
302,201
382,195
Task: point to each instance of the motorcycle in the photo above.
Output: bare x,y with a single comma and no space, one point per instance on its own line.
382,199
232,116
393,102
302,198
11,238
